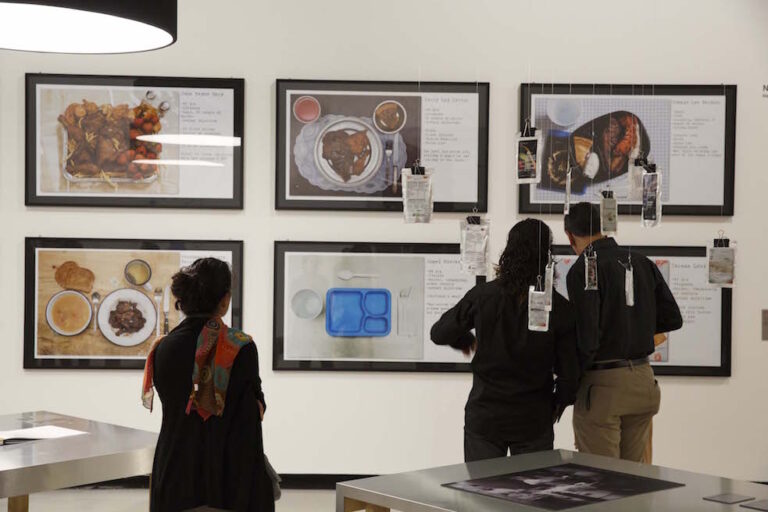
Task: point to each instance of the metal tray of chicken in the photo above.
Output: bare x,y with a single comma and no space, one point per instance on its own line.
62,135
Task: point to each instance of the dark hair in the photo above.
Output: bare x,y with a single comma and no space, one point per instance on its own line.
583,219
200,287
525,255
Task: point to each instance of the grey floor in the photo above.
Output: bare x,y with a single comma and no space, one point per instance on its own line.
136,500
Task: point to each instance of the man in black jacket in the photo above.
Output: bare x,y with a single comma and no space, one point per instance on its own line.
618,395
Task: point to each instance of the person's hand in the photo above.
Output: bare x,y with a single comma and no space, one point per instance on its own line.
261,410
468,351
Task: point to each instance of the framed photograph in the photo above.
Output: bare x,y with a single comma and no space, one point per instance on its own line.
365,306
343,145
703,346
100,303
128,141
688,131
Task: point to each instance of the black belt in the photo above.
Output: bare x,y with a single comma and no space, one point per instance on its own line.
624,363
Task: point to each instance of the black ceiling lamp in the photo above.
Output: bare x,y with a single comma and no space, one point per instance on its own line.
87,26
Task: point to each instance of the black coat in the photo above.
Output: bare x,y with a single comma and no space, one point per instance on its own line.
219,462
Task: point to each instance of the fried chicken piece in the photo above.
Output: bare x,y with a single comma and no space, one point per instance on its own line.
74,132
358,142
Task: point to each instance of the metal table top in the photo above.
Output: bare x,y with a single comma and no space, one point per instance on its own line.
107,452
422,491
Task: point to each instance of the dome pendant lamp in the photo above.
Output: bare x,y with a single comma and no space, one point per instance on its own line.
87,26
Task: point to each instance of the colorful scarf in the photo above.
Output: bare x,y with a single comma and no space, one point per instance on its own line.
217,348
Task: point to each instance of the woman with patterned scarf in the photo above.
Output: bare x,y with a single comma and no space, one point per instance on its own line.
210,451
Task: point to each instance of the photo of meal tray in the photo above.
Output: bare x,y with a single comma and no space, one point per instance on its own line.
127,317
103,142
102,303
597,151
348,152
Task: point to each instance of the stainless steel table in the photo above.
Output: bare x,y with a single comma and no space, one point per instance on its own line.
422,491
106,452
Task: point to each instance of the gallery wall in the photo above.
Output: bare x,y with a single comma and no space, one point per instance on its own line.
385,422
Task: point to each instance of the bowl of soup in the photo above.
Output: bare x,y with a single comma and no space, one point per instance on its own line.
69,313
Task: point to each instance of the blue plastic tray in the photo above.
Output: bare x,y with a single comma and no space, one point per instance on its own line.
364,312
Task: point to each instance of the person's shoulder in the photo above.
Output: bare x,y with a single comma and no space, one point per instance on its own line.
239,337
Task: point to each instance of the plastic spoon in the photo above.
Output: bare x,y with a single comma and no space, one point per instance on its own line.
346,275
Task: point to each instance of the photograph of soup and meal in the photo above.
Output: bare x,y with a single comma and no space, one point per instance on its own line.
365,306
702,346
102,303
133,141
598,131
343,145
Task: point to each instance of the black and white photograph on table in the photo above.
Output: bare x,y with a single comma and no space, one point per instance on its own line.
342,145
131,141
563,487
703,346
688,131
365,306
100,303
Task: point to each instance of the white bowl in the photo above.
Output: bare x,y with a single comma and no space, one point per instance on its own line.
307,304
564,111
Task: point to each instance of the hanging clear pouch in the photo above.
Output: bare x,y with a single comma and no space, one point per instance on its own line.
651,212
529,147
538,316
590,270
549,283
474,245
609,213
567,205
721,263
629,284
417,194
635,171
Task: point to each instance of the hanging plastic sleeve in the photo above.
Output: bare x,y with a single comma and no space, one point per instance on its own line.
651,211
609,213
590,269
538,316
417,194
529,147
635,170
475,233
629,282
567,206
721,263
549,282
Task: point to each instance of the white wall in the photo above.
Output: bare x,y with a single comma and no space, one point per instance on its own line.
354,422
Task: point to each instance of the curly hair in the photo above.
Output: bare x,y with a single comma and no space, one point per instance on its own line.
200,287
525,256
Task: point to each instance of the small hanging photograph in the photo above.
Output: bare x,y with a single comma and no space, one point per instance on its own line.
721,266
475,233
609,213
529,159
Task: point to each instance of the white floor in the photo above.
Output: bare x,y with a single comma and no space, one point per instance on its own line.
136,501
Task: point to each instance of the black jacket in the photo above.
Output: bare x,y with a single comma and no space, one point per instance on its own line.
219,462
514,392
608,328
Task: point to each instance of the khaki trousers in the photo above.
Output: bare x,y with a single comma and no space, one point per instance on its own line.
613,412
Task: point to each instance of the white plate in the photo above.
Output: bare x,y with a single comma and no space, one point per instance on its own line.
49,310
350,124
143,304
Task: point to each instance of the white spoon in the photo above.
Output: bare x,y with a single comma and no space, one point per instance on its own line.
346,275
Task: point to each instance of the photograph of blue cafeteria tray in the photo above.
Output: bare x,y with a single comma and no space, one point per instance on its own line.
358,312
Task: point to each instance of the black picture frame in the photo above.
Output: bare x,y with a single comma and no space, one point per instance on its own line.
726,209
282,202
30,291
279,362
726,311
32,198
